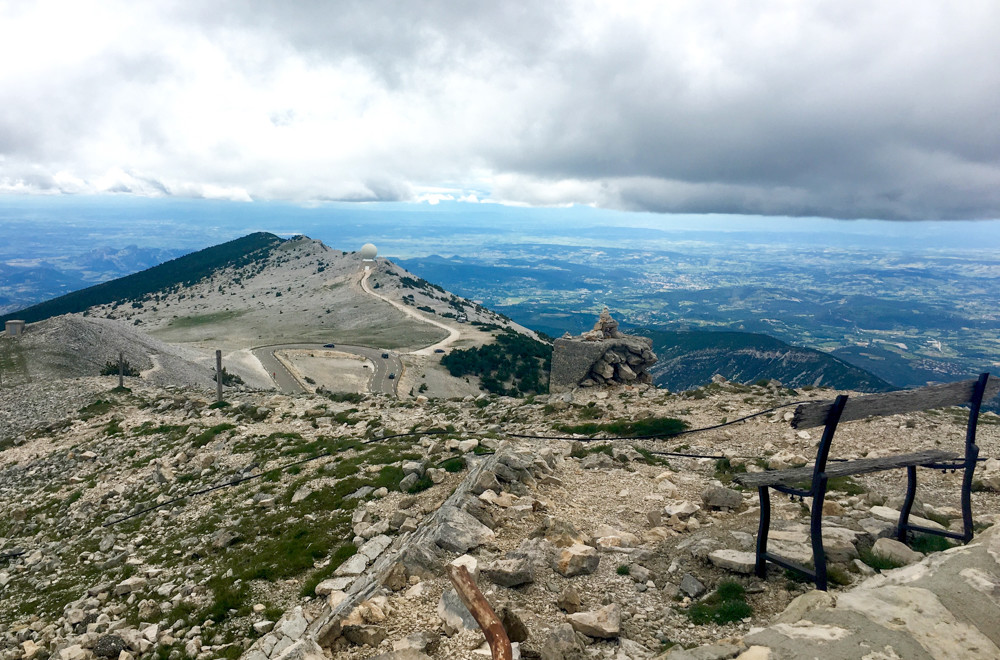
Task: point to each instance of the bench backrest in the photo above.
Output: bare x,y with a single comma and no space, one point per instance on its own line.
843,408
809,415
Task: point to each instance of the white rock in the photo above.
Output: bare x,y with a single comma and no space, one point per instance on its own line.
733,560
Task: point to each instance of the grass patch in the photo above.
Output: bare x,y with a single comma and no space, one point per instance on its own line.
649,426
219,404
582,451
422,484
877,562
205,319
623,569
846,485
725,470
209,434
927,543
173,432
727,604
95,409
453,465
344,397
338,557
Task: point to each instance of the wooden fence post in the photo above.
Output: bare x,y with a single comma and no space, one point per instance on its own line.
218,375
481,611
121,370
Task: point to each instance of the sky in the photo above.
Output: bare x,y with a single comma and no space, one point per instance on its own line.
847,109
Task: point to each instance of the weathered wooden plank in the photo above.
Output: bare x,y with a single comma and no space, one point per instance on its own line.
893,403
844,468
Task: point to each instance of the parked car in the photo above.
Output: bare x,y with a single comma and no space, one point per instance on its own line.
385,356
392,376
329,346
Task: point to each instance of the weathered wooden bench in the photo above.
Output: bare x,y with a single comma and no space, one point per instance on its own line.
830,414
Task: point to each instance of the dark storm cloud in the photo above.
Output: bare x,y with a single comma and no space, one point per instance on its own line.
844,109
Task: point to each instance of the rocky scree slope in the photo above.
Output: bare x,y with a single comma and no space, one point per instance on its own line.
591,549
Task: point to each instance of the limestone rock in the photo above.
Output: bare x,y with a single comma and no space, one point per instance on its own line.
509,572
562,644
575,560
734,560
720,497
604,623
895,551
459,531
569,600
454,614
804,604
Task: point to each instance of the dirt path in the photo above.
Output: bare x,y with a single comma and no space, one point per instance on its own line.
453,334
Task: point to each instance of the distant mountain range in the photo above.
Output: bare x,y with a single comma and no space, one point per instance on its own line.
24,282
690,359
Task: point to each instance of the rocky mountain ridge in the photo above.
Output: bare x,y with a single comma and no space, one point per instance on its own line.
621,545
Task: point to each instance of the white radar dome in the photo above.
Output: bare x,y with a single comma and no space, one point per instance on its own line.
368,251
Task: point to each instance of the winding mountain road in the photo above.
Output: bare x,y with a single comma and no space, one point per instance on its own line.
453,333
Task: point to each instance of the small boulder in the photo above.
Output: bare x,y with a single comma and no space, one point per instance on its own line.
604,623
569,600
736,561
719,497
895,551
509,572
577,559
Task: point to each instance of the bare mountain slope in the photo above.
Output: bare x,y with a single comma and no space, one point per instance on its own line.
302,291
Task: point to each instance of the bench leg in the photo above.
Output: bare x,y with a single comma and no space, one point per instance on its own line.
904,514
970,468
816,532
765,525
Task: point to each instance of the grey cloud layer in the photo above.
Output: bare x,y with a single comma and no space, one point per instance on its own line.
846,109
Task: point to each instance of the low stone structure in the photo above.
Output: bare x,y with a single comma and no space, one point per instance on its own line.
602,356
14,328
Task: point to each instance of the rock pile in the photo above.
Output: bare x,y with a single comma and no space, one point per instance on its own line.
602,356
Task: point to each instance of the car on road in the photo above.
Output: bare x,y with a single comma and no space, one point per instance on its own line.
385,356
329,346
392,376
439,350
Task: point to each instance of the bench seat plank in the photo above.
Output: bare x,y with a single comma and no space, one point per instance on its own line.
801,475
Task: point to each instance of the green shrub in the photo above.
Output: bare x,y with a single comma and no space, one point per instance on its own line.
623,569
110,368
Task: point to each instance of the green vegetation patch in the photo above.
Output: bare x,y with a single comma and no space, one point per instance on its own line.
205,319
514,365
658,426
727,604
209,434
110,368
95,409
878,562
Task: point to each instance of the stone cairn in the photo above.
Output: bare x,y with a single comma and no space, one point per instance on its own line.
603,356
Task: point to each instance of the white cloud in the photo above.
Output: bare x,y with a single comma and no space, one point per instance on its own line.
847,109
